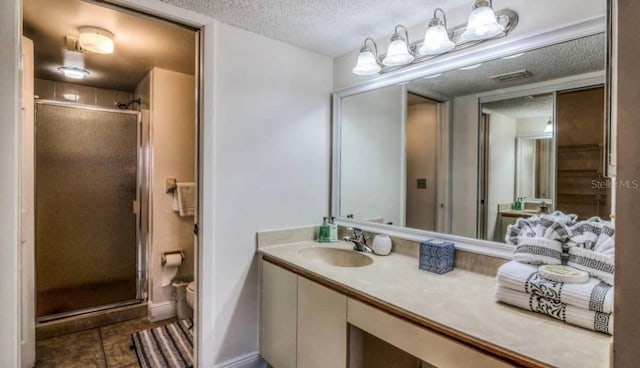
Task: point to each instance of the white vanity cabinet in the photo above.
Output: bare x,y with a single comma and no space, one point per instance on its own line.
303,324
278,312
322,326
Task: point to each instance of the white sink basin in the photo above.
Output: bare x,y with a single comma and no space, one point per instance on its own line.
337,257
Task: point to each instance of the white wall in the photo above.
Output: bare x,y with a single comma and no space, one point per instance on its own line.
173,148
532,126
372,156
535,17
9,159
502,165
271,160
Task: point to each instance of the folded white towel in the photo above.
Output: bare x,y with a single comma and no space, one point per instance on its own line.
594,295
600,265
592,248
590,234
552,226
538,251
184,199
596,321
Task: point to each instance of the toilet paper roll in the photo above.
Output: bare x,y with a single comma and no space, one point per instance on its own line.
170,268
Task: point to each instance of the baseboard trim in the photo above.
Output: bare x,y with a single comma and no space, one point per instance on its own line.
162,310
251,360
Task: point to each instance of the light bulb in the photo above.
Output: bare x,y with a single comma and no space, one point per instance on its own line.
73,73
367,63
436,41
482,23
397,53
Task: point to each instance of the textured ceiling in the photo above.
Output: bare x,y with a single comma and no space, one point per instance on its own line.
523,107
140,43
329,27
565,59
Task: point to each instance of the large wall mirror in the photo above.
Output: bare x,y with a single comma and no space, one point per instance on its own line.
468,151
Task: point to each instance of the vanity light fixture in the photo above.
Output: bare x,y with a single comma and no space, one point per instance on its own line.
368,63
436,39
95,40
73,73
398,53
483,23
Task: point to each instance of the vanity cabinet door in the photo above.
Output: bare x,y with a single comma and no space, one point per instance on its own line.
322,326
278,310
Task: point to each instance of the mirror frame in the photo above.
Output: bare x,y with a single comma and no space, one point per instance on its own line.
483,53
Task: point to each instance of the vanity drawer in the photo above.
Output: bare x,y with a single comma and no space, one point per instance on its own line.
424,344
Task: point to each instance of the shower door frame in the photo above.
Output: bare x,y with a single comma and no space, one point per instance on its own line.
142,199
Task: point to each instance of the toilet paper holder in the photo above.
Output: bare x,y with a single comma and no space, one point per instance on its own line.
165,254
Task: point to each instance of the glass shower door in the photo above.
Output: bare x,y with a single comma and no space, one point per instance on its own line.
86,171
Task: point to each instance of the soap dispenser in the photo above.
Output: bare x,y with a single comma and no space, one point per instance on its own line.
333,230
323,234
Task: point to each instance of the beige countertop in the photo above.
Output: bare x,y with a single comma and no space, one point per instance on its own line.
459,301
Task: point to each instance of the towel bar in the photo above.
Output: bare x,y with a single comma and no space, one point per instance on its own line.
171,185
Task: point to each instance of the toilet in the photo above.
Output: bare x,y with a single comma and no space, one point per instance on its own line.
191,293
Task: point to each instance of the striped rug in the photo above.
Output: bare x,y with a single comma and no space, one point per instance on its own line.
168,346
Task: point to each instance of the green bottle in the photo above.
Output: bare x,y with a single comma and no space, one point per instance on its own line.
324,234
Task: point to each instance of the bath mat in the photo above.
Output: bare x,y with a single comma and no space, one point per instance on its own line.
168,346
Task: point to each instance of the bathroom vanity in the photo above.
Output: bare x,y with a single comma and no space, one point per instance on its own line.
314,295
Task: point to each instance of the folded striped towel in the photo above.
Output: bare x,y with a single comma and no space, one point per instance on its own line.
600,265
593,295
596,321
592,248
553,226
538,251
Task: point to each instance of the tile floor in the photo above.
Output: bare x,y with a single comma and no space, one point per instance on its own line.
104,347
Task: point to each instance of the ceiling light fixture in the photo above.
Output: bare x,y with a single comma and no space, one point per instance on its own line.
483,23
398,53
95,40
73,73
436,39
368,63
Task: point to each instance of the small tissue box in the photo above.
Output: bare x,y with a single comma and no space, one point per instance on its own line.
437,255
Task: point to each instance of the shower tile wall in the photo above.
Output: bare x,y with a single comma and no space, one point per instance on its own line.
68,92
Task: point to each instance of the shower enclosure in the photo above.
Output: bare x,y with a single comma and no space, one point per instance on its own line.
88,182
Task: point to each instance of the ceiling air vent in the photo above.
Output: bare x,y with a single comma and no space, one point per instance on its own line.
507,77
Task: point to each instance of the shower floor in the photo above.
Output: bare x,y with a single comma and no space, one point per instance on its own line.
66,300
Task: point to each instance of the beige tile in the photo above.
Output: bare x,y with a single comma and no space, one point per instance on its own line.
88,321
116,340
119,353
114,333
478,263
78,350
45,89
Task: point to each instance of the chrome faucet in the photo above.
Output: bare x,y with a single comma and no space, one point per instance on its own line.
359,240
